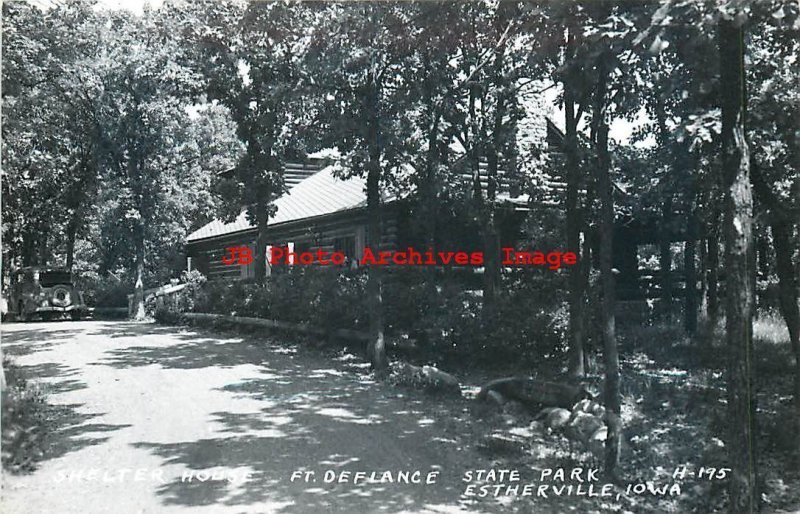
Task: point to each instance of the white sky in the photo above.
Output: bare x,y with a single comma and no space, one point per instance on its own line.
620,129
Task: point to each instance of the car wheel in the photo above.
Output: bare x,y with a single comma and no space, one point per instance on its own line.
75,315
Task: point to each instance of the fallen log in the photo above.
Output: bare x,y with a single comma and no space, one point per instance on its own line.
536,394
303,328
427,378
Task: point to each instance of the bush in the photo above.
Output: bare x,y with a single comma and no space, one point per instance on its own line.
24,418
165,308
103,291
528,326
326,297
167,315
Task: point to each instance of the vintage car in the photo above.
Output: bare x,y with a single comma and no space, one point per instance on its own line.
46,292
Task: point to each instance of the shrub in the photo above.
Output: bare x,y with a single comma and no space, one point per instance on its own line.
528,326
186,298
103,291
24,419
326,297
167,315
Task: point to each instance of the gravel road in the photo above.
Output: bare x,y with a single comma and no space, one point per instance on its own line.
148,418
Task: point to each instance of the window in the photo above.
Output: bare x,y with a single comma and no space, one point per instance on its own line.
302,247
346,245
249,270
52,278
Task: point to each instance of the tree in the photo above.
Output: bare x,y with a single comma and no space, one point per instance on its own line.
576,85
739,264
250,57
432,79
493,59
728,20
154,177
48,154
615,68
611,391
358,60
775,174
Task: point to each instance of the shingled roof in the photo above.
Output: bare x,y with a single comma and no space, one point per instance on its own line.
321,194
318,195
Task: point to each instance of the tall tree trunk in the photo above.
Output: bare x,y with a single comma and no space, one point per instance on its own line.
429,189
585,302
762,250
493,152
702,237
43,250
605,194
80,197
574,225
665,259
429,197
483,210
376,349
739,266
491,240
665,232
72,233
260,253
689,253
138,311
787,291
491,275
712,273
28,245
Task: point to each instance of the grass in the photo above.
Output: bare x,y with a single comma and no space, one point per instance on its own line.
674,413
769,328
23,421
675,406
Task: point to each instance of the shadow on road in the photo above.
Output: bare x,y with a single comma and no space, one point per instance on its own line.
305,412
317,415
70,430
33,340
46,429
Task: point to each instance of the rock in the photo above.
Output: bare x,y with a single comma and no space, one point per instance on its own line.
557,418
597,442
536,426
582,425
408,375
590,407
598,410
584,405
441,381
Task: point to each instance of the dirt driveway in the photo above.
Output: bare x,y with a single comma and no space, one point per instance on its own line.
161,419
